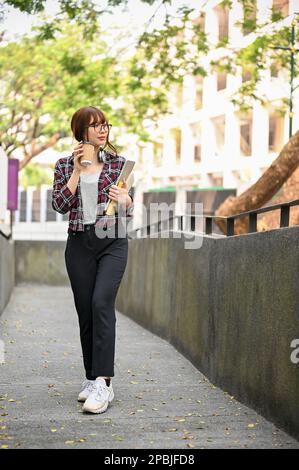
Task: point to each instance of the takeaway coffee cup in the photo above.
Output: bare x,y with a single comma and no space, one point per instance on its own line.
88,150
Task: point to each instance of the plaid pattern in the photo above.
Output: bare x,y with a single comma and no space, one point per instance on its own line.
64,201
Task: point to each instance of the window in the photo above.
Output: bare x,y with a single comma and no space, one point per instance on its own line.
274,70
223,18
158,153
246,75
276,125
221,81
176,134
200,21
197,153
176,96
196,134
246,136
219,128
281,6
179,95
198,91
249,23
216,180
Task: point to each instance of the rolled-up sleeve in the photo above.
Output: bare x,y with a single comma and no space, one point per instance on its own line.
62,197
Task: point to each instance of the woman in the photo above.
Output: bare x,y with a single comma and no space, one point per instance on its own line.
95,255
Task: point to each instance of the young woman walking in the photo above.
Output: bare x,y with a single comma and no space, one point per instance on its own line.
95,254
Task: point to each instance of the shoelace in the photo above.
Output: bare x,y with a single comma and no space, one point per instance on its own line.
100,388
89,385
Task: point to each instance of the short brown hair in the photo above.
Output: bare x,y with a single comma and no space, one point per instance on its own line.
81,118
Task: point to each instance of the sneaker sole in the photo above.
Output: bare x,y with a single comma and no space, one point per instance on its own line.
99,410
82,399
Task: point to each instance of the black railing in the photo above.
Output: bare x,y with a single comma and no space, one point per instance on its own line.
229,220
7,236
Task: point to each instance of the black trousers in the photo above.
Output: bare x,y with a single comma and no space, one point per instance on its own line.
95,268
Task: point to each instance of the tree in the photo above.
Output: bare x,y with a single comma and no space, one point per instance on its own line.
45,81
265,187
34,175
85,13
42,83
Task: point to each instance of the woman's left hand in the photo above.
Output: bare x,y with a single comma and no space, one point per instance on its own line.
120,195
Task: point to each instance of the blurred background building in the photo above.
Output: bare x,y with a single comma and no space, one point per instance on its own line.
205,143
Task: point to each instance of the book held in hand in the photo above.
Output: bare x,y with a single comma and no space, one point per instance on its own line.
125,175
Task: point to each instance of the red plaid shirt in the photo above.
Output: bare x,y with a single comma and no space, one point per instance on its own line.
63,200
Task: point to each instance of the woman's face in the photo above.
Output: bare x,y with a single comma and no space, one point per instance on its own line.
97,132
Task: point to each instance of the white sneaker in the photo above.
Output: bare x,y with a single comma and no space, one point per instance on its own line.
100,397
87,387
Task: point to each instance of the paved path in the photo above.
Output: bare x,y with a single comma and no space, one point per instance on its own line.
161,400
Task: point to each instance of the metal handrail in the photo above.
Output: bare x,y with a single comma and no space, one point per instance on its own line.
5,235
9,235
230,219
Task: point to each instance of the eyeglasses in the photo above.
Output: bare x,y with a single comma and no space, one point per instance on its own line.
99,127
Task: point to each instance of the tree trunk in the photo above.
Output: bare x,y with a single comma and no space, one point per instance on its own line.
40,148
264,189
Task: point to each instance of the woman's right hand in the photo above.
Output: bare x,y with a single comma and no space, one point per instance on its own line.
78,153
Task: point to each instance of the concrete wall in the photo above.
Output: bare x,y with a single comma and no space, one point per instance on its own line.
41,261
7,271
231,307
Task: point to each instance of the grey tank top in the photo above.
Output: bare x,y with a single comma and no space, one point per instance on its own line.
89,192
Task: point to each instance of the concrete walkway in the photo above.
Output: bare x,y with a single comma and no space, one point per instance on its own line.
161,400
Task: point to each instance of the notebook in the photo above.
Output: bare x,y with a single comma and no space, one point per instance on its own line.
125,175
